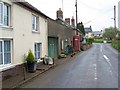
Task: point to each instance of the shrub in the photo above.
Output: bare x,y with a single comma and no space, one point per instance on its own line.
30,57
97,37
89,40
109,41
116,44
98,40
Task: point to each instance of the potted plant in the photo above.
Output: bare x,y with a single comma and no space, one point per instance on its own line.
31,63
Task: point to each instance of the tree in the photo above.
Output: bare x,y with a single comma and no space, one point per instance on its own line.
110,33
81,27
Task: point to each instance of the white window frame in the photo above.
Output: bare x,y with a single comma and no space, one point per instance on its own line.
37,50
36,23
9,12
3,52
2,14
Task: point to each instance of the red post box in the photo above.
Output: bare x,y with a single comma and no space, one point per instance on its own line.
76,43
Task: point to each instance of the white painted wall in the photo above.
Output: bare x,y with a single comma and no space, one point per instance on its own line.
23,37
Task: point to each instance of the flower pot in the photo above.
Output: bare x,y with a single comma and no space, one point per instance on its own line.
31,66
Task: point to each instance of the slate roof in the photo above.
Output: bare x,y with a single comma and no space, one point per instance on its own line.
88,29
97,32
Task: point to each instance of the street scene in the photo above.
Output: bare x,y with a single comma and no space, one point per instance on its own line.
59,44
100,70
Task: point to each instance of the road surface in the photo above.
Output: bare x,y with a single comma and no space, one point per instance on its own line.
94,68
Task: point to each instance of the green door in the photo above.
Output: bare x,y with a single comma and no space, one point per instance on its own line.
52,47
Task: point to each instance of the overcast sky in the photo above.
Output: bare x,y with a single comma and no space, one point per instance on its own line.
97,13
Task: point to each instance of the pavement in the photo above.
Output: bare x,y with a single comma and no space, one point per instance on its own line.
16,81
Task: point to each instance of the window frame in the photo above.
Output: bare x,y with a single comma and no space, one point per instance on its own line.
36,23
36,51
3,52
2,15
8,16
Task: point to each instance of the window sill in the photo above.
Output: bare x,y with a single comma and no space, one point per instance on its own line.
6,67
6,27
36,32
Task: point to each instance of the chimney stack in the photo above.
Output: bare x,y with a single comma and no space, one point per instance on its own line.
73,21
67,20
59,14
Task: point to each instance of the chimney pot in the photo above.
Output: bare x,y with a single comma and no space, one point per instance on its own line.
73,21
59,14
67,20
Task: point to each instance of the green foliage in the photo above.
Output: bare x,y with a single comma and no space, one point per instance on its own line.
110,33
98,40
89,40
109,41
116,44
30,57
97,37
81,28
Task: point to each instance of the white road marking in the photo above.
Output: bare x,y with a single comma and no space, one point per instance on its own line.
95,73
95,78
111,72
94,65
107,59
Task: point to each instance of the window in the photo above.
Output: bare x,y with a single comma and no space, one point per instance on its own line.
37,50
34,23
1,10
4,14
5,52
1,53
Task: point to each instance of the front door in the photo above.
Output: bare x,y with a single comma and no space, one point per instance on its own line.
53,47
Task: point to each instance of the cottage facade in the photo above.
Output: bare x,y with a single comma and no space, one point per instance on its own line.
59,36
88,31
22,27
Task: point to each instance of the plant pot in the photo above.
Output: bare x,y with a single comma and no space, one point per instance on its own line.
31,66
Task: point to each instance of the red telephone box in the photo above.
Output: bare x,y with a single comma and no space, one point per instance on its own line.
76,43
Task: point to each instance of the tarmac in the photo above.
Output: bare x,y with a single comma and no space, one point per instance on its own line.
16,81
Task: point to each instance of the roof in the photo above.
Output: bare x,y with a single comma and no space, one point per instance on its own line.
97,32
88,29
29,6
63,22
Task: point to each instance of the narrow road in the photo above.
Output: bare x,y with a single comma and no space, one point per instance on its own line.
94,68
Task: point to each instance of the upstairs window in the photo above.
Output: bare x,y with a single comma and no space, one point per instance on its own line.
34,23
1,12
4,14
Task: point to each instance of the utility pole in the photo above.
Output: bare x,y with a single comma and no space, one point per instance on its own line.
114,16
76,18
62,6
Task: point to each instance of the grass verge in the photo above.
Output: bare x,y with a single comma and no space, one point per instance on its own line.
116,44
